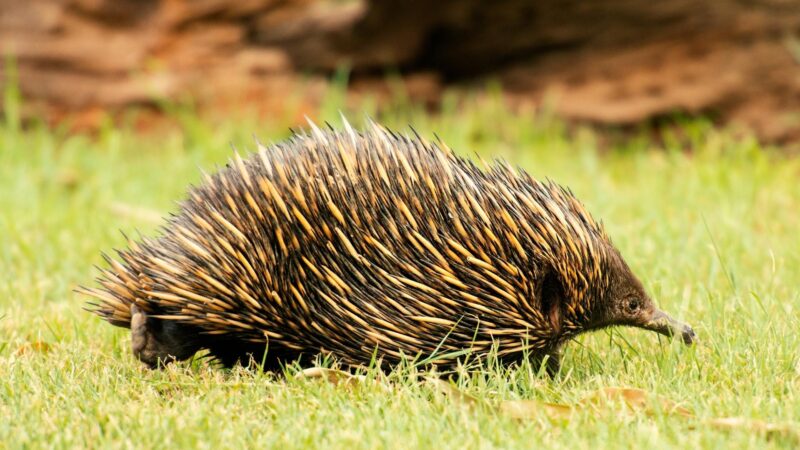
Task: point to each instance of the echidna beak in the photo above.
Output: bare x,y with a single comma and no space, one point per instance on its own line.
663,323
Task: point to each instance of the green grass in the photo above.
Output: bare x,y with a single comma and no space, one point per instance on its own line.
712,232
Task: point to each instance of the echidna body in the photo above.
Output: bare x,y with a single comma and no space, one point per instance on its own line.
372,244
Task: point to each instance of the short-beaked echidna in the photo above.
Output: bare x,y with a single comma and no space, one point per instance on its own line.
368,245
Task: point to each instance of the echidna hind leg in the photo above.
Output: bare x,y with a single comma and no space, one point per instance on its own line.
271,358
551,360
232,352
553,363
158,342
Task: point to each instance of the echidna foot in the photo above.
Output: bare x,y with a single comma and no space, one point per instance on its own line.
155,342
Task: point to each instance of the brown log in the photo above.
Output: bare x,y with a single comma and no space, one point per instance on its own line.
605,61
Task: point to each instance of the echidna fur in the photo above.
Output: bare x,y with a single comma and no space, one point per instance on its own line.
365,244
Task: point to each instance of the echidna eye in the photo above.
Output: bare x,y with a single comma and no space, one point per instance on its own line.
633,305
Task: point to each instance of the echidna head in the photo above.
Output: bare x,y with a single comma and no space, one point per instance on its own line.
627,303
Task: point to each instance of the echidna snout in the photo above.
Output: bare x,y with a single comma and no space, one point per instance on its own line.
663,323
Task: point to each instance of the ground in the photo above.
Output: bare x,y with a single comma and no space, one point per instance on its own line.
707,220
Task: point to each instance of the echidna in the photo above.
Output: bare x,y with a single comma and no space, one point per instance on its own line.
371,245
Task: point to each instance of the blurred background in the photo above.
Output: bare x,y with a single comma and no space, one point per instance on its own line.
617,63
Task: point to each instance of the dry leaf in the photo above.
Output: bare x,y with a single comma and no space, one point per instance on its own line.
516,409
451,391
332,376
531,409
68,178
36,346
635,400
768,429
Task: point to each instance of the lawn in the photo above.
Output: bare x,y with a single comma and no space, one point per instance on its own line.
708,219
